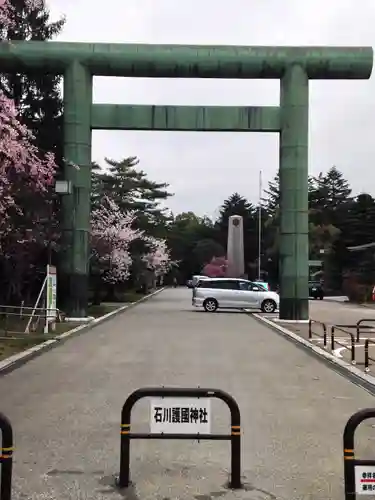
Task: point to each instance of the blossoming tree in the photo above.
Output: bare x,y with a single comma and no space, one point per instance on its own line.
26,176
21,164
22,168
111,235
217,268
6,9
157,257
25,171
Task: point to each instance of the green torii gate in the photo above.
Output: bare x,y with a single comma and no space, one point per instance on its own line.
294,66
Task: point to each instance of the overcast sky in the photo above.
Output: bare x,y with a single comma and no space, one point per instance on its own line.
205,168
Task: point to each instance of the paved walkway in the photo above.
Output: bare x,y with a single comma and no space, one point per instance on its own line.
65,407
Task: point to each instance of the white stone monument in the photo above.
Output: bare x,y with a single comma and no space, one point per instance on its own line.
235,247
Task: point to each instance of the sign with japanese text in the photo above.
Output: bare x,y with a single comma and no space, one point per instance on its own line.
51,292
365,479
180,416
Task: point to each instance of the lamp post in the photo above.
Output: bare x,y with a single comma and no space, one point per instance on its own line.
63,186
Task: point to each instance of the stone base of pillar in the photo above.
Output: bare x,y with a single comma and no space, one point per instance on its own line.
73,296
294,309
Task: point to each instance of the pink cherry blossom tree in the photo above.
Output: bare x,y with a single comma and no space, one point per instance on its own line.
22,166
26,181
24,171
111,235
6,9
216,268
158,257
5,13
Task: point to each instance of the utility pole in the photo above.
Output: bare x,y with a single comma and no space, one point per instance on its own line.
260,225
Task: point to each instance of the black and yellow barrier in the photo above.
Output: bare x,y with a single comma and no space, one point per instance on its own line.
6,458
234,437
359,474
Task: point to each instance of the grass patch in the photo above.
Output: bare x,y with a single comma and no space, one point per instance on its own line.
132,296
13,339
19,341
10,347
102,309
13,326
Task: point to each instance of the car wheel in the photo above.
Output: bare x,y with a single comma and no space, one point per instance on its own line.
268,306
210,305
321,297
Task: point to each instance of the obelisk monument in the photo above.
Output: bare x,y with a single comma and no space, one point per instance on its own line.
235,247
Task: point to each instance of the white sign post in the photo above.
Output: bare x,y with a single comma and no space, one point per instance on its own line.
365,479
180,416
51,305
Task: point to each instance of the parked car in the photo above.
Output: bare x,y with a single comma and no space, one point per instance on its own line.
316,290
191,283
233,293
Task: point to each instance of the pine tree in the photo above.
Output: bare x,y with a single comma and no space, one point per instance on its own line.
359,226
131,190
330,203
235,205
271,202
271,219
330,197
96,186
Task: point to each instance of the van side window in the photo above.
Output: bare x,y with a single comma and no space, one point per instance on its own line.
252,287
227,285
206,284
245,285
219,284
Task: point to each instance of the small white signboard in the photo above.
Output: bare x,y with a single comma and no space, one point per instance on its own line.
51,292
365,479
180,416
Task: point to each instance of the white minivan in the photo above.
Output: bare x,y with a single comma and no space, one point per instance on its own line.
233,293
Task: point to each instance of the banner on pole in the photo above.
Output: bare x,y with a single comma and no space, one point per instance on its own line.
51,292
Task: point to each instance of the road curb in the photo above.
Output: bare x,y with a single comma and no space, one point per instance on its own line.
13,362
343,368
